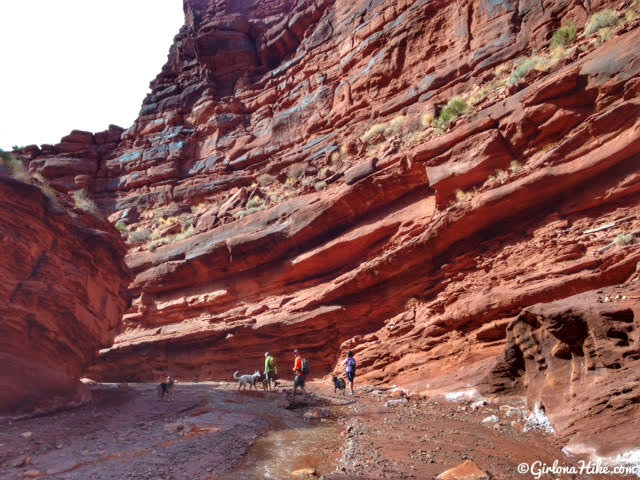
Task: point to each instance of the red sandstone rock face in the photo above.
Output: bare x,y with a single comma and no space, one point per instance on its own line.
62,295
258,219
577,358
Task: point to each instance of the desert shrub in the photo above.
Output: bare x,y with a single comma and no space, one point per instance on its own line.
515,166
307,181
139,236
14,167
121,227
254,202
377,130
498,177
396,126
624,239
156,234
162,224
44,186
564,36
478,94
295,171
418,137
605,34
157,240
501,70
451,111
501,175
188,232
462,196
265,180
559,53
156,243
524,67
427,120
326,172
248,211
600,20
321,185
83,202
201,207
630,15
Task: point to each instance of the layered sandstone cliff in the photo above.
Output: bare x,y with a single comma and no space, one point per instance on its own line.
293,181
63,293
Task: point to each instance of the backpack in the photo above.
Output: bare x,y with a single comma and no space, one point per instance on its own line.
351,365
305,366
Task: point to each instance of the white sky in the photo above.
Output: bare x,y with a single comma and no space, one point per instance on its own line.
78,64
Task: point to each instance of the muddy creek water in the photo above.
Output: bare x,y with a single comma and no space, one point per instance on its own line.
291,444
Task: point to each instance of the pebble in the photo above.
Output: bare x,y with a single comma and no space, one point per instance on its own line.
393,403
26,434
21,462
491,419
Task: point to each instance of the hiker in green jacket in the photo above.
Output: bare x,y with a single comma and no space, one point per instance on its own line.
270,370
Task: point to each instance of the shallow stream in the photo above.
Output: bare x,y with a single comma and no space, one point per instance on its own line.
291,444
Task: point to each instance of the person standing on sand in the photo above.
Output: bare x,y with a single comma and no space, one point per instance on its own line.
270,370
298,372
350,369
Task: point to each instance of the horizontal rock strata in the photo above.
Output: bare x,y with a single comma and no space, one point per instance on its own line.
63,293
293,181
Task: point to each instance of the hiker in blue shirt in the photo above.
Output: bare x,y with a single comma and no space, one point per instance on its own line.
350,367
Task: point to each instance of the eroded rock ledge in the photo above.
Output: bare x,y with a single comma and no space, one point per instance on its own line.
62,296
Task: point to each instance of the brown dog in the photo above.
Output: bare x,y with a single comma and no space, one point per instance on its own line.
166,388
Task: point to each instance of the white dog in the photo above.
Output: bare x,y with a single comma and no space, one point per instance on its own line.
244,380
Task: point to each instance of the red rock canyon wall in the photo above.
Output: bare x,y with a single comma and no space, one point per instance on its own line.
63,293
291,182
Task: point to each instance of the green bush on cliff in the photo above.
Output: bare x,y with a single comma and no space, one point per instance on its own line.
141,235
601,19
564,36
451,111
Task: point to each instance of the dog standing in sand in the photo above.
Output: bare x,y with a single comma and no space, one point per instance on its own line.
244,380
338,384
166,388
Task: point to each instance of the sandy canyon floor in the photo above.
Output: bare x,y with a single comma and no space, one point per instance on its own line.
212,431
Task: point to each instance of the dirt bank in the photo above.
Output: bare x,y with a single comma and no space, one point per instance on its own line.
211,431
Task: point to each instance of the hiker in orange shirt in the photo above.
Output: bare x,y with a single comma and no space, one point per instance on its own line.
300,370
